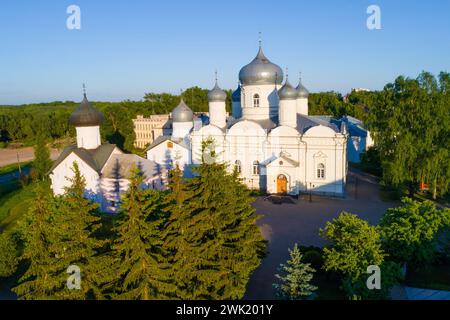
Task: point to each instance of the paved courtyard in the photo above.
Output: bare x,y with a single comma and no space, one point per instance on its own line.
299,222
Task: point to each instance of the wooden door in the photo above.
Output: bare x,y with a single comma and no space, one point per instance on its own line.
281,184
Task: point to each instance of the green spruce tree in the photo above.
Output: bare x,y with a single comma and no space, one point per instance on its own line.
142,268
295,278
38,280
221,243
8,254
174,233
74,242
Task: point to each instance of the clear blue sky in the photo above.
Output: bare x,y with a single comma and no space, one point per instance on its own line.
127,48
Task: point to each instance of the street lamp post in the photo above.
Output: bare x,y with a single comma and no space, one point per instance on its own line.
310,192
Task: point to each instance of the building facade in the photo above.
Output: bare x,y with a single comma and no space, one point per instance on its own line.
148,129
270,138
105,168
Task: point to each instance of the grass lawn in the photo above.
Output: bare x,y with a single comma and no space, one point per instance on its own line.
14,205
13,167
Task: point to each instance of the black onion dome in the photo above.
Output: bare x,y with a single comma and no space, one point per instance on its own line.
86,115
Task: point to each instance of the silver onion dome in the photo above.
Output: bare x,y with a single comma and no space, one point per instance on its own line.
287,92
182,113
236,96
302,92
217,94
86,115
261,71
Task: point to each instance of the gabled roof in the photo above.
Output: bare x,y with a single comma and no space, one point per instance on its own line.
161,139
285,158
119,166
95,158
306,122
267,124
355,126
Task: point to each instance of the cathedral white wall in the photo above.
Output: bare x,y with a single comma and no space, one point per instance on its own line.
88,137
290,172
246,141
284,139
287,114
166,156
331,153
302,106
112,189
205,133
217,114
64,170
268,102
181,130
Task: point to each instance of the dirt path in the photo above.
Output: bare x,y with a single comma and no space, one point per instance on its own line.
9,156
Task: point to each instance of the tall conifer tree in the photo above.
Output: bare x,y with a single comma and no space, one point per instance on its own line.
175,238
38,280
222,245
295,278
74,242
141,265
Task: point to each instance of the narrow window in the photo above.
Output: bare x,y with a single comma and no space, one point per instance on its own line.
255,167
256,100
237,165
320,171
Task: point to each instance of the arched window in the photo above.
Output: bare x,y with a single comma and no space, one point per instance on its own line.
255,167
238,166
320,171
256,100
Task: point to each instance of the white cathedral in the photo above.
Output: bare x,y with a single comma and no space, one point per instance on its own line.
270,139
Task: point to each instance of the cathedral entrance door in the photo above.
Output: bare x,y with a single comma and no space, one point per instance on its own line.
281,184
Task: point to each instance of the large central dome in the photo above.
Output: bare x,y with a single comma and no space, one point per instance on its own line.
261,71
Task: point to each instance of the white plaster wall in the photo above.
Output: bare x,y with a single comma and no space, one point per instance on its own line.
268,102
302,106
88,137
206,132
288,113
274,169
181,129
162,155
284,139
217,114
64,169
112,190
246,141
325,146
